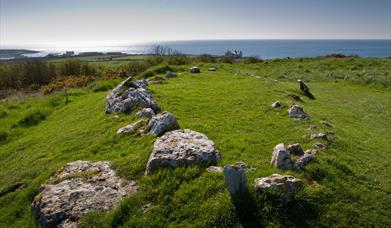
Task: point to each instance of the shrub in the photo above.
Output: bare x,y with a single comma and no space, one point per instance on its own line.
252,59
226,59
178,60
31,119
135,68
66,82
205,58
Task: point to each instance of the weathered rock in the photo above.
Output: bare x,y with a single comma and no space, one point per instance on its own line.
284,185
280,157
295,149
195,69
156,80
161,123
297,112
277,104
320,135
182,148
295,97
215,169
145,112
212,69
129,95
80,187
308,157
126,130
171,74
235,179
242,166
305,89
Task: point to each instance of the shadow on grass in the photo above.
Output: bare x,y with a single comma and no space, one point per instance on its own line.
246,209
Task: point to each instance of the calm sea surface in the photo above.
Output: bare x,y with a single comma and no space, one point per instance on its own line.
265,49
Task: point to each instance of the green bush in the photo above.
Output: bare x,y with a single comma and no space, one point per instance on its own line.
252,60
31,119
178,60
226,59
205,58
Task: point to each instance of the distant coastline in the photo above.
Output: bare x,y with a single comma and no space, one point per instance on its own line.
266,49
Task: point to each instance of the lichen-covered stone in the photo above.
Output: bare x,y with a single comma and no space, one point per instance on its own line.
162,123
284,185
297,112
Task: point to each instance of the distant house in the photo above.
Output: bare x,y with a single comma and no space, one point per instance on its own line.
234,54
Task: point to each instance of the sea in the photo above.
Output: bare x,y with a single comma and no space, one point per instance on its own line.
265,49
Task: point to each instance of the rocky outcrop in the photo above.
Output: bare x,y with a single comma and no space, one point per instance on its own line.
129,95
182,148
235,179
280,157
284,185
162,123
195,69
145,112
80,187
296,112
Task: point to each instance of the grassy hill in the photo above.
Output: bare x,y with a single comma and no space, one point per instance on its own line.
348,185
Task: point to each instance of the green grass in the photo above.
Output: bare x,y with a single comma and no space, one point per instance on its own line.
348,185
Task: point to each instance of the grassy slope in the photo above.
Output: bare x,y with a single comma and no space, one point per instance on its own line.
348,184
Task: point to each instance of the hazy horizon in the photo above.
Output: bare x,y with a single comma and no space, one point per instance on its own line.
118,22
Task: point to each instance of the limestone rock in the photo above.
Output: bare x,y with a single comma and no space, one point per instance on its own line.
277,104
195,69
161,123
126,130
80,187
182,148
242,166
305,89
235,179
280,157
308,157
318,146
296,112
212,69
295,149
129,95
284,185
321,135
145,112
171,74
215,169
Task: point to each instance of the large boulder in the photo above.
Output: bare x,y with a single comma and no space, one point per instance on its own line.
129,95
79,188
284,185
297,112
235,179
161,123
281,157
182,148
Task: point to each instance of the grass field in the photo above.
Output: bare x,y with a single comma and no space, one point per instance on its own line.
349,185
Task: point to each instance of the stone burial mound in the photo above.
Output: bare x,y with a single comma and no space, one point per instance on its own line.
129,95
78,188
182,148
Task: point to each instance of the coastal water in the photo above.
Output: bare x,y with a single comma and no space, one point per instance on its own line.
266,49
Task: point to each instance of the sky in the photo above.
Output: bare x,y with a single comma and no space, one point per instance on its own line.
28,22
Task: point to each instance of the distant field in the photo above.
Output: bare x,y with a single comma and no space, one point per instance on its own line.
349,185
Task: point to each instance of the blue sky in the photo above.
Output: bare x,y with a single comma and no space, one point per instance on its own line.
120,21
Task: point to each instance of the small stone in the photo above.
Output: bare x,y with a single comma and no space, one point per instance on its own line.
308,157
146,207
195,69
280,157
285,185
145,112
235,179
277,104
212,69
321,135
295,149
319,146
296,112
171,74
161,123
326,123
242,166
126,130
215,169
